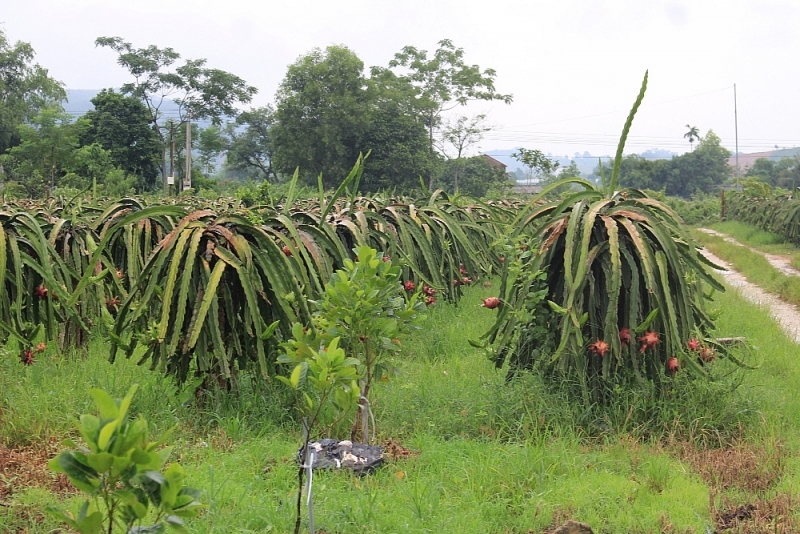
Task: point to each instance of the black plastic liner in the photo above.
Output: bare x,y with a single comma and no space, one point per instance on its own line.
344,454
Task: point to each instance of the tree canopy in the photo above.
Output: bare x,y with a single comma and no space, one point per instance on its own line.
701,170
44,153
443,82
250,143
25,90
121,125
328,112
322,112
199,91
784,172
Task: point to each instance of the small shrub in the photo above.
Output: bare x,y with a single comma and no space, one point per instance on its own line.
122,472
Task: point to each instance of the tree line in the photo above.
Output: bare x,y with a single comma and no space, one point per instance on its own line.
328,109
702,170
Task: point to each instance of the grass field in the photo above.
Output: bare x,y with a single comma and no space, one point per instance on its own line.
474,454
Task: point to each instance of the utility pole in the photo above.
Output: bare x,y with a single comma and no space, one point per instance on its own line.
187,178
736,129
171,154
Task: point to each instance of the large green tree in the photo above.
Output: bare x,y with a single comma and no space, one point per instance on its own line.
199,91
121,125
701,170
444,82
322,112
45,152
25,90
396,139
250,144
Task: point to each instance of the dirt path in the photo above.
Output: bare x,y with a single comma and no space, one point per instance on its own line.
782,263
786,315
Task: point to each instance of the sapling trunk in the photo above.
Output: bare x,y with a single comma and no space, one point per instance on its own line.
307,426
300,490
359,411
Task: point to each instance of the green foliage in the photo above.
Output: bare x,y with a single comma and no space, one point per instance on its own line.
191,288
122,126
35,281
210,144
399,151
199,91
700,209
458,136
250,151
539,166
443,82
363,304
26,89
319,372
472,432
476,177
45,151
784,172
204,299
122,472
321,113
773,211
692,135
700,171
327,374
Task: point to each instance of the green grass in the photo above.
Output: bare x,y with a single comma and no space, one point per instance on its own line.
753,236
487,456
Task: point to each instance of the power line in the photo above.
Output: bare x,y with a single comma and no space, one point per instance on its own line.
627,110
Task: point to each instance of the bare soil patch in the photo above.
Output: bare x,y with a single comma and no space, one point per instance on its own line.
748,469
27,467
773,516
743,466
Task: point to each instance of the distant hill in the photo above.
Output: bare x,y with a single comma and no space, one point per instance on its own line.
585,161
79,101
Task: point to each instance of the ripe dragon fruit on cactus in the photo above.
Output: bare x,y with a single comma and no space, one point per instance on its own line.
599,347
491,303
625,336
672,365
649,341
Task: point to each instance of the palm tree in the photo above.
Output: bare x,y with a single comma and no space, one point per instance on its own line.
692,134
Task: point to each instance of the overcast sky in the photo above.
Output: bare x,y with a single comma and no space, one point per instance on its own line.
573,66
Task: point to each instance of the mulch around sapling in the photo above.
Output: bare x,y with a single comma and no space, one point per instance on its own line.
344,454
361,459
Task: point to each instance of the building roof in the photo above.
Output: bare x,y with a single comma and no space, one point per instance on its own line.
747,160
495,163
